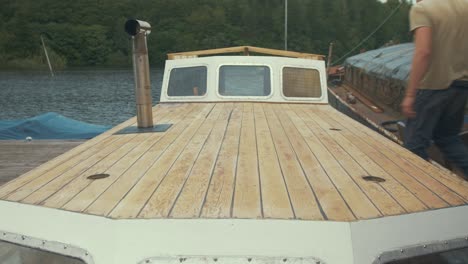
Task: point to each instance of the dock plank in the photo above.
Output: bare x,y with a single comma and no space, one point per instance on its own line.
18,157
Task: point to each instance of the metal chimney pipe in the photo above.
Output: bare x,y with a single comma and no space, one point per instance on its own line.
139,30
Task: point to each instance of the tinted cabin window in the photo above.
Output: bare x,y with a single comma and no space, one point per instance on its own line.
459,256
190,81
298,82
244,81
12,253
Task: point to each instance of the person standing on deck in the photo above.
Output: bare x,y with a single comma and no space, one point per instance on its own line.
438,85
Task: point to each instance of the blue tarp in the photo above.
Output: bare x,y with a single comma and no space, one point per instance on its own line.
392,62
49,126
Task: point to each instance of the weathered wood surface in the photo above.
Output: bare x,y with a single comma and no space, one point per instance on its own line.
18,157
241,160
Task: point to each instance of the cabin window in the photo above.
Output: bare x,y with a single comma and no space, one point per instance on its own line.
300,82
189,81
12,253
457,256
244,81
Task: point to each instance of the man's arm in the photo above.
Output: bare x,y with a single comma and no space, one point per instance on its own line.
421,60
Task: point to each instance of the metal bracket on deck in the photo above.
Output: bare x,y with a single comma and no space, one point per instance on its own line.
137,130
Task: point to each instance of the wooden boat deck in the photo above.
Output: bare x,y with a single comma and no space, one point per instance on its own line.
241,160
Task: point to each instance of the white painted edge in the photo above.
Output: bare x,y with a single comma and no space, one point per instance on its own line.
371,238
132,241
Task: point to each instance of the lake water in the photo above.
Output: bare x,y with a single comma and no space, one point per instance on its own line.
103,97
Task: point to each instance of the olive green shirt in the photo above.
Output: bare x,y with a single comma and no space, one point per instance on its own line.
449,56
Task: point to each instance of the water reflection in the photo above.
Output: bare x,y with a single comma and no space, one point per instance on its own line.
104,97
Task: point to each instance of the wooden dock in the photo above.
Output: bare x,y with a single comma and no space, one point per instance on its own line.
18,157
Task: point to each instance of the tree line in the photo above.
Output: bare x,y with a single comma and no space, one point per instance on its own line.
90,32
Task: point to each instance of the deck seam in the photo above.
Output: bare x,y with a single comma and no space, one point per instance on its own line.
358,164
172,165
152,164
237,162
105,171
215,162
93,142
77,177
42,174
331,180
408,173
189,173
184,114
41,201
258,163
319,205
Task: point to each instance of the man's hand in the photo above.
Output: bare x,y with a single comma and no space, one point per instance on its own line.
407,106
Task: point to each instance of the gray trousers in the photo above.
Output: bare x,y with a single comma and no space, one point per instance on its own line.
439,117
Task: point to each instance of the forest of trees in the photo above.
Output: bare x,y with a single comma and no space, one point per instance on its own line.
90,32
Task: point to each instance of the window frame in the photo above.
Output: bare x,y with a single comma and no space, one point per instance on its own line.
185,97
241,97
47,246
301,98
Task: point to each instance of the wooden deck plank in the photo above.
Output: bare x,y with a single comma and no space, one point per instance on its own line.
358,202
94,188
42,187
275,198
41,176
303,200
437,195
54,180
191,197
165,194
247,194
131,205
444,184
12,186
221,189
242,160
385,196
80,181
330,200
118,189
